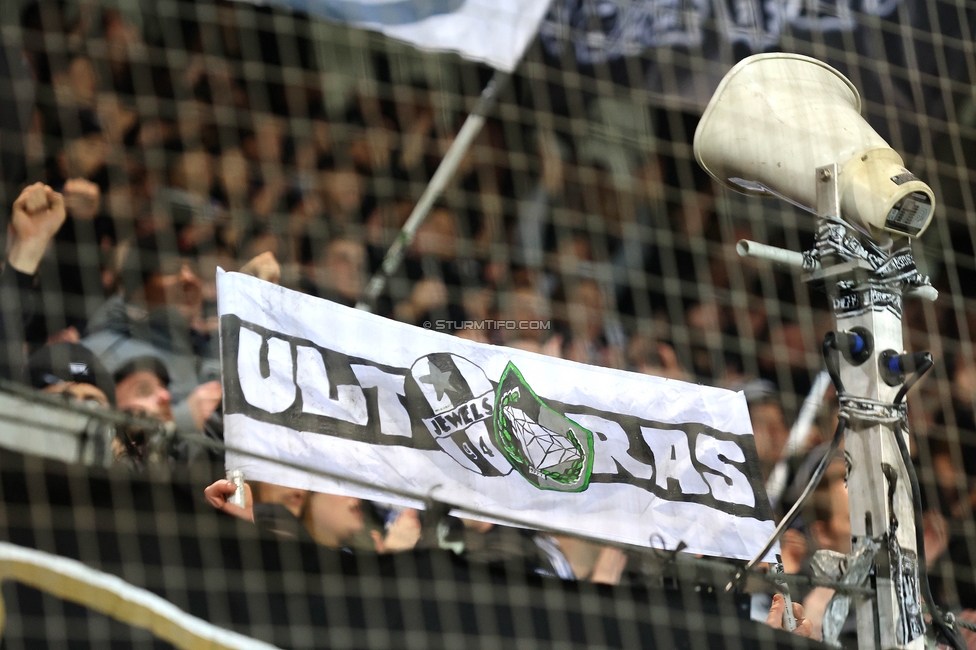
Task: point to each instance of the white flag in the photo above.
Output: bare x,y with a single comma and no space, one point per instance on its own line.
514,435
495,32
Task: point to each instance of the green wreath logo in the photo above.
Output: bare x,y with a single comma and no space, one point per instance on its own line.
551,451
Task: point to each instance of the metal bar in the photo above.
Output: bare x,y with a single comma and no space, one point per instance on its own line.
445,171
58,404
61,431
867,449
870,446
747,248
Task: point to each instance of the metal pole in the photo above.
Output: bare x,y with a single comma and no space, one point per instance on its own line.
747,248
860,298
445,171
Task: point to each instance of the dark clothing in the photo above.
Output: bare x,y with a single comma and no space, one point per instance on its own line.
277,519
17,306
16,108
531,551
311,288
72,280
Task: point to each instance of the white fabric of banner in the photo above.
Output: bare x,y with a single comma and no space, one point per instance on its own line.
510,434
495,32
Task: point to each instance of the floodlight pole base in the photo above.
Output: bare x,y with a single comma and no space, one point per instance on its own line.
863,295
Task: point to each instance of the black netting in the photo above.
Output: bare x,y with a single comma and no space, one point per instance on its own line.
190,135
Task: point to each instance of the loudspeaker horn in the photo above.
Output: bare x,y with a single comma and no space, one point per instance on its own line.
775,118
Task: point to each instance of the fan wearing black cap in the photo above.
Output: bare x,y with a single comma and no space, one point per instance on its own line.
71,370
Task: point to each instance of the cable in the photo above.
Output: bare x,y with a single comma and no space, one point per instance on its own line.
966,624
938,618
831,361
923,366
798,506
833,369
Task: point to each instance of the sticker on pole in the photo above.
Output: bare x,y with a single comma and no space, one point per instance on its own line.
910,215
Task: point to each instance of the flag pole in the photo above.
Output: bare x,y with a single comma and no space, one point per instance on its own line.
445,172
776,484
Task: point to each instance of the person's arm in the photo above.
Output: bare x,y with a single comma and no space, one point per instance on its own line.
609,566
17,308
36,217
193,413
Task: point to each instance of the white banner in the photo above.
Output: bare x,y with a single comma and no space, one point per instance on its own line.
617,455
495,32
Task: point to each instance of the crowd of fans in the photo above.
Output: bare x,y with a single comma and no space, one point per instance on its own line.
108,293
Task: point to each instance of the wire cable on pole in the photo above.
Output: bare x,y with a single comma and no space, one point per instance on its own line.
833,369
939,620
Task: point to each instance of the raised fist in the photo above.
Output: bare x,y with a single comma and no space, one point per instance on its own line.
37,216
82,198
264,267
203,401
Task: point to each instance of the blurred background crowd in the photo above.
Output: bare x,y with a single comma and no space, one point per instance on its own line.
155,149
